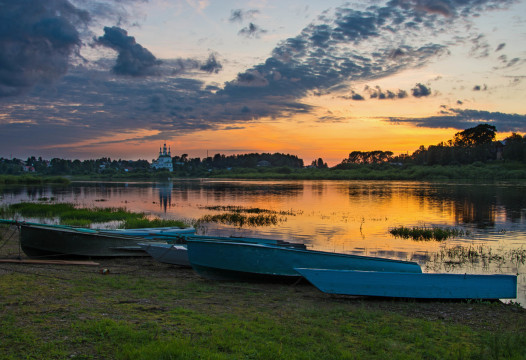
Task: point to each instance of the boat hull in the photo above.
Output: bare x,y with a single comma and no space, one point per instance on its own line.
49,241
150,233
239,261
167,253
412,285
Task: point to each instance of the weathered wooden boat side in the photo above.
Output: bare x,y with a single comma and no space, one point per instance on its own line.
240,260
412,285
246,240
167,253
152,232
49,240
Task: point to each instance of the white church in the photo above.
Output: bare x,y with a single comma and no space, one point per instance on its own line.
164,161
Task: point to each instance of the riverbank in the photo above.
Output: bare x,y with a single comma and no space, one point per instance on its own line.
498,170
141,309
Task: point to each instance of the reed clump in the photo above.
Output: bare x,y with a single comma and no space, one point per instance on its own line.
475,254
424,233
249,210
241,219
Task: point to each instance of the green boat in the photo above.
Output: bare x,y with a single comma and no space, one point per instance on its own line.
45,241
231,260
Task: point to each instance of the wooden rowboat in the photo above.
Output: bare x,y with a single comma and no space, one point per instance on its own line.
236,260
412,285
175,254
43,240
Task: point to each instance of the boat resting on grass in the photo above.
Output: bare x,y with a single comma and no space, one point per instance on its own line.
43,240
150,233
175,254
237,260
412,285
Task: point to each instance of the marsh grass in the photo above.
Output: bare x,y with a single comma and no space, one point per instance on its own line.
424,233
69,214
479,254
249,210
241,220
32,180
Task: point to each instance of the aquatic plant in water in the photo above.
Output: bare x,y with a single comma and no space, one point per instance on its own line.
423,233
69,214
241,220
249,210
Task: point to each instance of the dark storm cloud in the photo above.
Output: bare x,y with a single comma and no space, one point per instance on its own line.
37,39
380,94
251,31
133,59
462,119
238,15
420,90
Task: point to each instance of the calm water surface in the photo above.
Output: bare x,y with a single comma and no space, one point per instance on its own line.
343,216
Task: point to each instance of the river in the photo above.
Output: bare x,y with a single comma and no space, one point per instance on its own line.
341,216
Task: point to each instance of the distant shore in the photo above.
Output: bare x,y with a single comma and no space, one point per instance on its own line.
494,171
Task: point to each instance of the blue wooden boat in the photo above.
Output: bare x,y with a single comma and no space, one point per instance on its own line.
175,254
150,233
175,251
412,285
236,260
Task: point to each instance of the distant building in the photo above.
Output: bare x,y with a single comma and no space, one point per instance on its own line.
164,161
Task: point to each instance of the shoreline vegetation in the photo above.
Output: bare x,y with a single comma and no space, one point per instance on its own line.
426,233
138,308
494,171
472,154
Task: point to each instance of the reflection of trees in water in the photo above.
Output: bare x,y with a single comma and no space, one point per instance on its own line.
476,204
381,191
236,191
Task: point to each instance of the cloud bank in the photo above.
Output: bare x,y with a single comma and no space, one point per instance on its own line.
466,118
137,91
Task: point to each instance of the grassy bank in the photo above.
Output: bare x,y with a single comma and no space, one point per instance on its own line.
476,171
142,309
32,180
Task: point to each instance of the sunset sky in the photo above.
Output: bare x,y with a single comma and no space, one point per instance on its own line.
92,78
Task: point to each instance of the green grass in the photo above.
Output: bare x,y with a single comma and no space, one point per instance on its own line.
163,312
497,170
69,214
423,233
32,180
135,223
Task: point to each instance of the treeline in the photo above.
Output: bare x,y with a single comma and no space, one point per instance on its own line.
475,145
469,146
182,165
221,161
